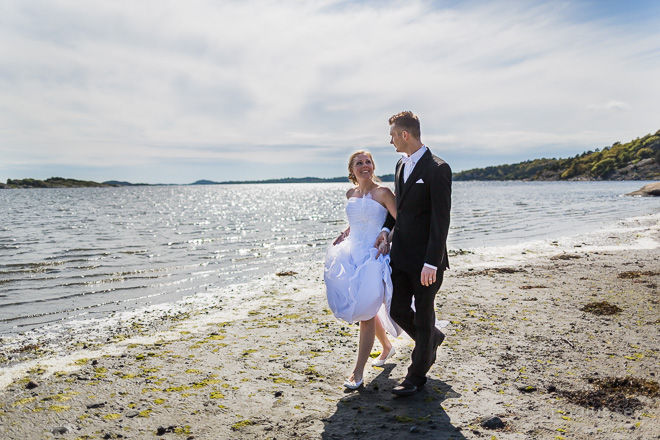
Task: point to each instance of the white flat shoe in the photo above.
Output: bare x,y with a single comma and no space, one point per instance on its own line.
381,362
352,385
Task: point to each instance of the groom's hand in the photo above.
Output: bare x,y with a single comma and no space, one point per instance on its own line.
381,244
428,276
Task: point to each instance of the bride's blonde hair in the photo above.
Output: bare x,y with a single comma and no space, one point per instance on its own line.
351,176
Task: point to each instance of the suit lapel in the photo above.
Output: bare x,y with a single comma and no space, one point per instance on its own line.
398,182
416,172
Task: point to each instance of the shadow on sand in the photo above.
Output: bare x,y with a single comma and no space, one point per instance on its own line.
372,411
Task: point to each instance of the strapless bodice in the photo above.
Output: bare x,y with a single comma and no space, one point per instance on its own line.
365,217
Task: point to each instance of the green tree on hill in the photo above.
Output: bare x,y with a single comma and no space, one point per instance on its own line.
598,164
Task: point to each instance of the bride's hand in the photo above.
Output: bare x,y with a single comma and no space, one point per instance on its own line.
341,237
383,248
382,244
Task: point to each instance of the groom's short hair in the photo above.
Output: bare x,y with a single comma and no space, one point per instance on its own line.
407,121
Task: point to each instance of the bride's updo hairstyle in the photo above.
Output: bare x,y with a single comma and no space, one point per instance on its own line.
351,176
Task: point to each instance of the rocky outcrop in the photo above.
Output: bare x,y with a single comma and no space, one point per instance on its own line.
652,189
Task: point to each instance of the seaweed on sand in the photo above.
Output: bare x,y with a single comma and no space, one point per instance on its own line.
614,393
601,308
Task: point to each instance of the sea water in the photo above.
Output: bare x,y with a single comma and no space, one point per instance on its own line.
76,256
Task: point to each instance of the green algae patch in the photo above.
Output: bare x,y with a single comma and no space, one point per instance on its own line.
24,401
193,371
206,382
311,371
242,424
113,416
284,380
82,361
123,375
177,389
38,370
182,430
62,397
144,413
216,395
216,337
150,390
159,401
59,408
404,419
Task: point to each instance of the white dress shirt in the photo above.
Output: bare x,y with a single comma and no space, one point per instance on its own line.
411,161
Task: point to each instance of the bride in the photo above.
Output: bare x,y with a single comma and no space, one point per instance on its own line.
357,275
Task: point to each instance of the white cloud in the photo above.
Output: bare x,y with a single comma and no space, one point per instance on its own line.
127,82
610,105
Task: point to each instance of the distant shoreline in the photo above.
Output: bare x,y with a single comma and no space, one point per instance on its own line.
638,159
56,182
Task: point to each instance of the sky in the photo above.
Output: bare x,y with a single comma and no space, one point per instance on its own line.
172,92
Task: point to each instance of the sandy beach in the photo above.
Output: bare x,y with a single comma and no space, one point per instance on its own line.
558,346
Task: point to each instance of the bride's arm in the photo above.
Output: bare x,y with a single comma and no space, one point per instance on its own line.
385,197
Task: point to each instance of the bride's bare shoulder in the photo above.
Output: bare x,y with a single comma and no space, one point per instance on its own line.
350,193
383,191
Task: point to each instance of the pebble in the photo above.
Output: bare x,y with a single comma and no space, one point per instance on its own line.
492,422
60,430
31,385
96,405
132,414
527,389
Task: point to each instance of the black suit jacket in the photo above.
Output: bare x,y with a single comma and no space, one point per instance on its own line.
423,205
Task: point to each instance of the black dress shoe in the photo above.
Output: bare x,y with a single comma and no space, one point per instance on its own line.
440,339
406,388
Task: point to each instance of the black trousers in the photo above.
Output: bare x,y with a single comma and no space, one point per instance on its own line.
418,323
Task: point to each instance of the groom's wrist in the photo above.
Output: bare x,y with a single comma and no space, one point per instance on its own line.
430,266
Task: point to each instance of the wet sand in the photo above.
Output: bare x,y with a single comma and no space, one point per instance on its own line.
526,344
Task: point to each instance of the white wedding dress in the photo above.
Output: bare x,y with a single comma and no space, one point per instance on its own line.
359,285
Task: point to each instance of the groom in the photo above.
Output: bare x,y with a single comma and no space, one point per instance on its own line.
419,244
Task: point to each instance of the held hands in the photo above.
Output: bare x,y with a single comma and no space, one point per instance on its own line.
428,276
382,244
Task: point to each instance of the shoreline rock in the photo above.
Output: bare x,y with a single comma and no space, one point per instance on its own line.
650,190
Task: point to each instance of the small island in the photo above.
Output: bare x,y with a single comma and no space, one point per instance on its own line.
60,182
